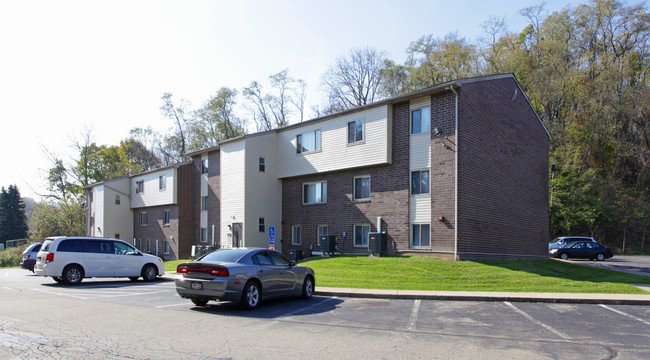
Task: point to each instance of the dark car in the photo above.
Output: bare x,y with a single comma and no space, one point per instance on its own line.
562,241
29,256
582,250
247,276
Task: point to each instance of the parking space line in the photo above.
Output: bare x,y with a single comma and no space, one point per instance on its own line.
61,294
625,314
414,315
547,327
170,305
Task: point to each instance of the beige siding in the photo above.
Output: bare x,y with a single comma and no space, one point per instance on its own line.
152,195
233,176
336,153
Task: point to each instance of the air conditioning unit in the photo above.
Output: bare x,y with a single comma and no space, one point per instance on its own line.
377,242
328,243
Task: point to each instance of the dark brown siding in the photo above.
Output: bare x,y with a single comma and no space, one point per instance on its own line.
503,173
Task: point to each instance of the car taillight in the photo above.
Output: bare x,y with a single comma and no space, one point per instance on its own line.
184,269
49,257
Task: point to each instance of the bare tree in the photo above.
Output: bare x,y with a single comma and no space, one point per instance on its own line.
272,110
354,79
177,114
299,96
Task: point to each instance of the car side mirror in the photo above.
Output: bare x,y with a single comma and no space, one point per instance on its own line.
292,263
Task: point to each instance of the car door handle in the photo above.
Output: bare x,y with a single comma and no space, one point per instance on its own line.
260,270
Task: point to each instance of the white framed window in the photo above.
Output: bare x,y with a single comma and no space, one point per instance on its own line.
322,230
144,218
148,245
355,131
296,235
117,199
362,187
361,235
421,120
309,141
162,182
204,166
139,187
420,235
419,182
262,165
166,216
117,236
261,227
166,247
204,203
314,193
204,234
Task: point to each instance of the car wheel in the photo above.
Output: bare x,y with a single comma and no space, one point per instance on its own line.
72,274
200,302
134,278
250,298
600,257
564,256
57,279
307,288
149,273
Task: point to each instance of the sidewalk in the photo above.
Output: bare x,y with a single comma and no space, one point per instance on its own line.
611,299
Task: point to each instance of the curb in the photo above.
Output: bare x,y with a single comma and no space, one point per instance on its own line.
565,298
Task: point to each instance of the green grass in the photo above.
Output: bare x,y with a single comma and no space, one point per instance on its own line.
170,266
426,273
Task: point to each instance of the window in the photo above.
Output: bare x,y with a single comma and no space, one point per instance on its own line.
166,214
117,236
420,182
296,236
162,182
261,227
117,199
355,131
262,165
73,245
204,234
308,142
420,235
123,249
322,230
420,120
278,260
144,219
204,166
166,248
362,187
314,193
204,203
262,259
361,234
139,187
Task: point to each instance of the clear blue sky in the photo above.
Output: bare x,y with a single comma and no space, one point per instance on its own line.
70,65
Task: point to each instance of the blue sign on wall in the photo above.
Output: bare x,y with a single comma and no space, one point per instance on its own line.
271,232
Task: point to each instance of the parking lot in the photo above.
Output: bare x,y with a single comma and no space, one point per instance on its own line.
116,318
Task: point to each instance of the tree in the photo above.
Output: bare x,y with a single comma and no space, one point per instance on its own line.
174,146
13,224
272,110
354,79
216,121
58,218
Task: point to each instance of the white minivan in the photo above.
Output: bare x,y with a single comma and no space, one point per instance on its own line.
70,259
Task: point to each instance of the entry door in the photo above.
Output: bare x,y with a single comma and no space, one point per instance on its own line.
237,235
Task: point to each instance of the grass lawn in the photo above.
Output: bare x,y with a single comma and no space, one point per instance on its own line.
426,273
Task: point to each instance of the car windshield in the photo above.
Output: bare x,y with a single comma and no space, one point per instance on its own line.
225,255
46,245
554,240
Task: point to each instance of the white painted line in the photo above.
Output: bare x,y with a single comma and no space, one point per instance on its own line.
625,314
558,333
414,315
61,294
179,304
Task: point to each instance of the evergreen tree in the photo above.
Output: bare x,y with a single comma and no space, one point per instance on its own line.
13,224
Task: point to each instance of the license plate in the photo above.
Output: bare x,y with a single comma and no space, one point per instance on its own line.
197,286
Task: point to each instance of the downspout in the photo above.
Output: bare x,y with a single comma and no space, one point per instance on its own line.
455,175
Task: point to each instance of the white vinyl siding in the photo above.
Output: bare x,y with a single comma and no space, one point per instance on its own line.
335,152
420,160
152,181
233,182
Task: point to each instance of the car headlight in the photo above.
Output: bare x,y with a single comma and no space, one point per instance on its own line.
552,251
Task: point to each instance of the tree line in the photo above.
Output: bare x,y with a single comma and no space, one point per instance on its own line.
585,69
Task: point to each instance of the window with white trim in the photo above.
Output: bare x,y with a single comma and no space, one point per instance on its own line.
262,165
355,131
421,120
296,235
166,248
144,218
309,141
261,227
162,182
362,187
204,234
204,166
204,203
361,234
420,235
419,182
314,193
117,199
139,187
166,217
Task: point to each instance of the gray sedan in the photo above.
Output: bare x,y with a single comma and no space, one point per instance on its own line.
246,276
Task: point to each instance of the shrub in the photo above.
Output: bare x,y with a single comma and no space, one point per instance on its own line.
11,256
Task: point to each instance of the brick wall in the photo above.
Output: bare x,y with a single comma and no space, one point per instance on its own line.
184,239
155,230
503,173
389,199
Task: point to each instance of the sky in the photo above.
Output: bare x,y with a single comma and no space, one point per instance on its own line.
67,67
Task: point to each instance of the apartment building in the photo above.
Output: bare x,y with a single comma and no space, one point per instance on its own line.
458,170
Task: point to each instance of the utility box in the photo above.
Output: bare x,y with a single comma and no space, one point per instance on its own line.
296,255
328,243
377,242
